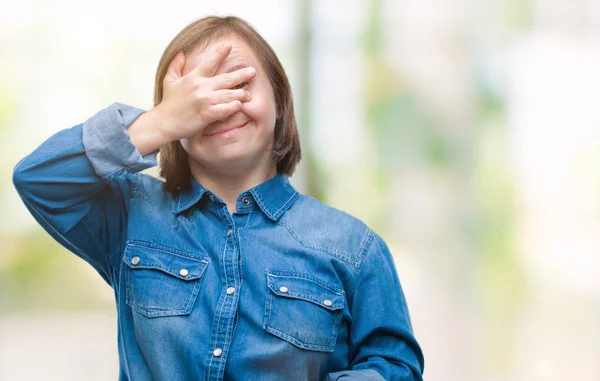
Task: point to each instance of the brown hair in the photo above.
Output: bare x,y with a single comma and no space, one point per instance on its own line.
174,166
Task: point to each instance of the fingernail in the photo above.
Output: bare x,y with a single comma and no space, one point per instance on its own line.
225,45
251,70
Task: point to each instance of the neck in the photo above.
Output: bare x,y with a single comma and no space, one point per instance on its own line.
228,186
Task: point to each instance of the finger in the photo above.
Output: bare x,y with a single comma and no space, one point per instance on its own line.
223,110
229,80
226,96
176,66
211,58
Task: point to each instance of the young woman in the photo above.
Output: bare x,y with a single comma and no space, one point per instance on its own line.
223,271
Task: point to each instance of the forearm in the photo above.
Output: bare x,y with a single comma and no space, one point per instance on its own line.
66,171
75,184
382,342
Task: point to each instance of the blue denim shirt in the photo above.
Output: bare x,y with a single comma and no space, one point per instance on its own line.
286,288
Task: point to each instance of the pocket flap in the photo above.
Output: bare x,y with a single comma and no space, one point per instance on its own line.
297,286
169,261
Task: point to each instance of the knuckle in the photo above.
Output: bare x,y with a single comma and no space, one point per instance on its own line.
200,82
193,83
230,95
202,96
228,81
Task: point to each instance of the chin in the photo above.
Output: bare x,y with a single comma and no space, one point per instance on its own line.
227,160
231,153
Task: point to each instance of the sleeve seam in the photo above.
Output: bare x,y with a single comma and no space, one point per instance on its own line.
372,237
365,246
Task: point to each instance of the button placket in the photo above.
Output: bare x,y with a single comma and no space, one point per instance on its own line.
228,303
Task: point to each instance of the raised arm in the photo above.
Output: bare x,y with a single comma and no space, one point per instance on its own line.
76,184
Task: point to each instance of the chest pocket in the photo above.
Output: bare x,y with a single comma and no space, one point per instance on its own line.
162,281
303,310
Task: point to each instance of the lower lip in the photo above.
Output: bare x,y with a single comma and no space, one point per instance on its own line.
228,133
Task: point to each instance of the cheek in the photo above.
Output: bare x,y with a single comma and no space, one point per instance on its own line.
261,108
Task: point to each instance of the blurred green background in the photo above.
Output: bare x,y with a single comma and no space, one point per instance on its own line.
465,133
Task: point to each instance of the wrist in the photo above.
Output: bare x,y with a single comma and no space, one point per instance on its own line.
163,124
149,132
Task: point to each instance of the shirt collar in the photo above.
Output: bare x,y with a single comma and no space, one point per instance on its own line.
274,196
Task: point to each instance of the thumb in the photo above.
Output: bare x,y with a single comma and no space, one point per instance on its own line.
176,66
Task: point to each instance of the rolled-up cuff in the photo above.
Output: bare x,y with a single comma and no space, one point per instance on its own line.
108,146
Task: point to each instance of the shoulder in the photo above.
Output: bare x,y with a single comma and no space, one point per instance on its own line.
322,227
150,189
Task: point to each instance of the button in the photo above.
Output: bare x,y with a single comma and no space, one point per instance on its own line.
230,290
183,272
229,232
217,352
135,260
245,201
327,302
283,289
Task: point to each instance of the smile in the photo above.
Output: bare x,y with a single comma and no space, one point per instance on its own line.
228,132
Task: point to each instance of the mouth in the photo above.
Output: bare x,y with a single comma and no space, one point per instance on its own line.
228,131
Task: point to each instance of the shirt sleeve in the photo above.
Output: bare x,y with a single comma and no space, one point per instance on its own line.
382,343
77,183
